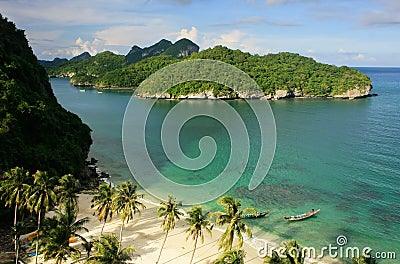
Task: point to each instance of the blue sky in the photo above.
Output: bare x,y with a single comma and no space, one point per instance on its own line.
352,32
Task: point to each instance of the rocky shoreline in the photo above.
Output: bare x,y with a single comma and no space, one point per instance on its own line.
356,93
93,175
279,94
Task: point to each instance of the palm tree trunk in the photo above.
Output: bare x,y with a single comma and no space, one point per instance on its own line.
162,246
120,235
17,254
15,230
37,238
194,250
102,228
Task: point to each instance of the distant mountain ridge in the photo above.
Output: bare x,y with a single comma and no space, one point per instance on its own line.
57,61
53,63
82,56
180,49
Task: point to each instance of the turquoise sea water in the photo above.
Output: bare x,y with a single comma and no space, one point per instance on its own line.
338,155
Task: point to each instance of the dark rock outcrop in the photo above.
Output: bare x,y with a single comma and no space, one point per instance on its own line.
180,49
85,55
137,54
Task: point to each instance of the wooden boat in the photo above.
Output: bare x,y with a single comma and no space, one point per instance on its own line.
256,215
301,216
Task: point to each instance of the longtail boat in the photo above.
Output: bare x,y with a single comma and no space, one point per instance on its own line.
301,216
256,215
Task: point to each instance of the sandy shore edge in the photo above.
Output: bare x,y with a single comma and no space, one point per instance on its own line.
146,235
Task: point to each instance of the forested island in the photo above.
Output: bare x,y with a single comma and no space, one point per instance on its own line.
279,75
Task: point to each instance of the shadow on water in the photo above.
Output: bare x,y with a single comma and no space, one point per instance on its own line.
277,195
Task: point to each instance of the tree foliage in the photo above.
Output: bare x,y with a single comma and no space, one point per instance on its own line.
169,212
126,202
106,251
35,131
232,218
292,254
102,202
56,233
198,224
234,256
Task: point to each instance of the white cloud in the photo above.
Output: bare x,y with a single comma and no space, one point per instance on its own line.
236,39
82,46
72,12
343,51
143,34
360,56
189,34
251,20
230,38
279,2
79,47
354,56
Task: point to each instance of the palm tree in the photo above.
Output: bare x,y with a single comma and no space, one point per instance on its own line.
197,223
54,243
126,202
13,188
41,197
275,259
102,202
57,232
88,246
292,254
170,213
235,256
232,217
364,260
67,218
66,190
107,250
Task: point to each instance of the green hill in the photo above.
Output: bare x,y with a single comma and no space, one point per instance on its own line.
292,74
279,75
35,131
134,74
85,72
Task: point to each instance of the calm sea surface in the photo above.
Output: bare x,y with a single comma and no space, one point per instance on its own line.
338,155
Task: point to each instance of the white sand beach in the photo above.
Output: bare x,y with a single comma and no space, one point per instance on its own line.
146,235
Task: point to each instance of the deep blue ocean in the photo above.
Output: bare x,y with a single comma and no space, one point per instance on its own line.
342,156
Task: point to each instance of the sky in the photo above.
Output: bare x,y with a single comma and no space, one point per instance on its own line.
351,32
